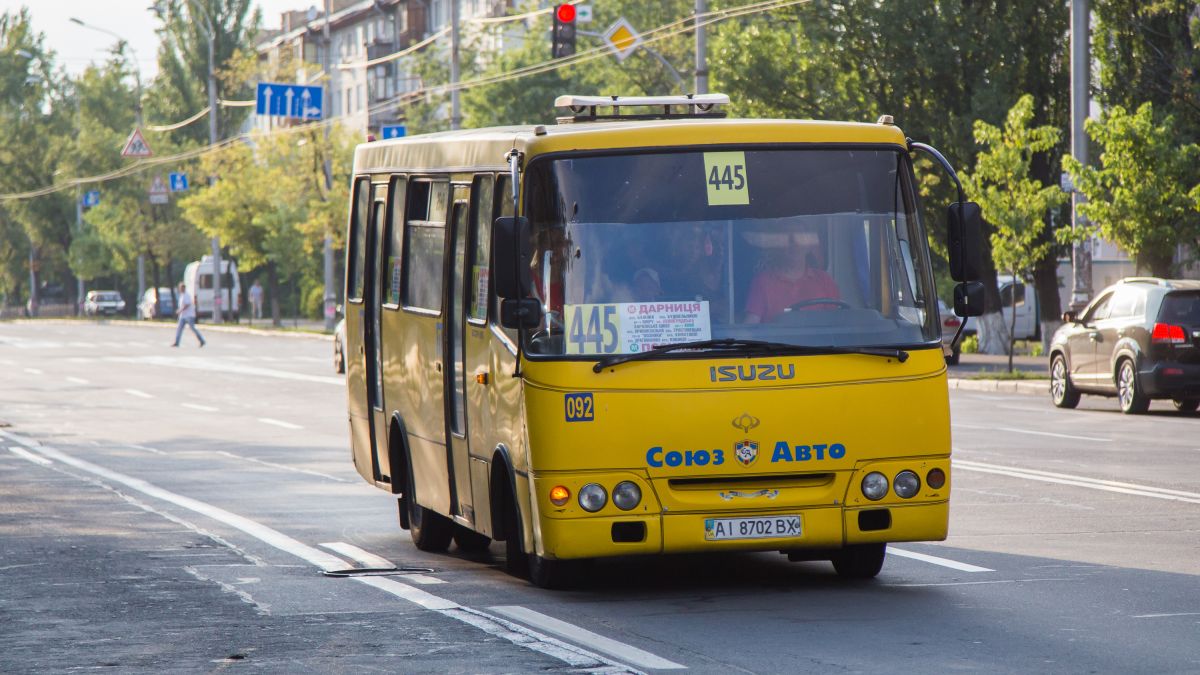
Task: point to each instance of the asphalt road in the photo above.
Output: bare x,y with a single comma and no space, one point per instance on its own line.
172,510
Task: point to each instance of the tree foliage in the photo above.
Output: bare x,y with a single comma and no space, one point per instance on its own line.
1138,197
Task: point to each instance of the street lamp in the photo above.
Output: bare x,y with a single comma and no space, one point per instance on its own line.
137,116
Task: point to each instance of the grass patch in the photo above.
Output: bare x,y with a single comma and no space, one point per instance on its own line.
1007,375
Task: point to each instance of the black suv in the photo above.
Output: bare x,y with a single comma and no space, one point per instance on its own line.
1138,340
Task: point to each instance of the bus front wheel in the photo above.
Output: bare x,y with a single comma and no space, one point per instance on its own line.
430,530
860,561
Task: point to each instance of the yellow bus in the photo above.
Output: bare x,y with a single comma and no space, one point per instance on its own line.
651,329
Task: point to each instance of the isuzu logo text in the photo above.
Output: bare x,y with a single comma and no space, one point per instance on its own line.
761,372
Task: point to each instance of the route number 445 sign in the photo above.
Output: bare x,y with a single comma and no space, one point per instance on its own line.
632,327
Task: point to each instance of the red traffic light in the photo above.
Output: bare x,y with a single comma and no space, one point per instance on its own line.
565,13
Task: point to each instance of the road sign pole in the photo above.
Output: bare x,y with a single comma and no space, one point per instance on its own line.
327,249
218,310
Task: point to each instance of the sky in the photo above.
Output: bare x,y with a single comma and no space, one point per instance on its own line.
76,46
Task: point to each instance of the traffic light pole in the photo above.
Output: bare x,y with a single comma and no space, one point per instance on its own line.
701,49
455,112
330,288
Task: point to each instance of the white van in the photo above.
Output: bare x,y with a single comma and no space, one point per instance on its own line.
198,278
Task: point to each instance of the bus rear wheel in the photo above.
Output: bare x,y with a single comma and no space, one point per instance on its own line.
860,561
431,531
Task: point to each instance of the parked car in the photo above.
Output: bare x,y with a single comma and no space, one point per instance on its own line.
950,324
1028,325
103,303
1138,340
157,303
339,346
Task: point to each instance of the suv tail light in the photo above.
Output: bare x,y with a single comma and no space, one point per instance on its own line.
1165,333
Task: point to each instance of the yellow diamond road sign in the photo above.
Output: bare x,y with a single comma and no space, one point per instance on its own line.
622,39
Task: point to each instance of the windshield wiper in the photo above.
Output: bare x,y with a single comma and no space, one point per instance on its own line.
752,346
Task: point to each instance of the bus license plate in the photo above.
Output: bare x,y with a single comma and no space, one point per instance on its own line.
764,527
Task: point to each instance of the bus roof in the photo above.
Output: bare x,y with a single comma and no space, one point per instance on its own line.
484,149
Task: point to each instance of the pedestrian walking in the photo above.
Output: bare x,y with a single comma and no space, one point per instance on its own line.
256,299
187,316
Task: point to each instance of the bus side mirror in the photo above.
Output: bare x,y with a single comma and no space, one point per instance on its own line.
513,245
968,299
520,312
965,241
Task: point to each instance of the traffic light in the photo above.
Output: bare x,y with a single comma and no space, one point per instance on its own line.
563,39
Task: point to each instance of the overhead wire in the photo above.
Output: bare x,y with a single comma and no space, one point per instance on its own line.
656,34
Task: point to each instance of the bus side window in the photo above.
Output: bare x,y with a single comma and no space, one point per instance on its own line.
503,206
358,240
393,241
425,244
481,246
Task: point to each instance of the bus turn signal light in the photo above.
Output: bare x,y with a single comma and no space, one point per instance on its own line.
559,495
935,479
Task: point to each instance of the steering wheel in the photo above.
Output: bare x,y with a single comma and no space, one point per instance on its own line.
820,301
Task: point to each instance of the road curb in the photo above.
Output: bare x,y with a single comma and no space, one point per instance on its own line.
1034,387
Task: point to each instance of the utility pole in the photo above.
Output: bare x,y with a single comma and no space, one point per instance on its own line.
701,49
218,309
1081,251
455,112
330,288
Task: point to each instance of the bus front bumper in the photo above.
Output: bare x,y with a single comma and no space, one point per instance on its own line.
820,528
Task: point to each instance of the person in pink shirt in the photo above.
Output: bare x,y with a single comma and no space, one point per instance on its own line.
793,279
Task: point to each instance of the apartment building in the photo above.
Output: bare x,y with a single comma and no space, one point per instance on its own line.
361,94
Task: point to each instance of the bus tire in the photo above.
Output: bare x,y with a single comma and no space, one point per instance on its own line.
516,562
470,541
431,531
549,574
859,561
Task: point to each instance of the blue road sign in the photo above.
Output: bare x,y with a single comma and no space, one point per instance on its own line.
393,130
91,198
178,182
290,100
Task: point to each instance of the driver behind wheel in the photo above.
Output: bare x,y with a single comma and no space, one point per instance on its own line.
792,275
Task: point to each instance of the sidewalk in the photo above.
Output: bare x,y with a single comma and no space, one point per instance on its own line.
971,364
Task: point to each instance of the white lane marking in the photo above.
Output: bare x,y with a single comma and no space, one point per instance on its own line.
1080,481
934,560
138,393
219,365
974,583
285,467
202,408
7,362
423,579
77,380
518,635
279,423
358,555
1159,616
85,345
409,593
1014,430
25,454
587,638
134,343
33,371
146,449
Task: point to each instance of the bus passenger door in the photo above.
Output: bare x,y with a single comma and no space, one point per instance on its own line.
455,380
358,255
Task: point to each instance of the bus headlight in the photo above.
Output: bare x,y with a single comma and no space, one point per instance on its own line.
627,495
907,484
592,497
874,486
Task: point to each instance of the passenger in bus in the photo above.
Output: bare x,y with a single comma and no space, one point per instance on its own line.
550,247
792,276
695,269
646,286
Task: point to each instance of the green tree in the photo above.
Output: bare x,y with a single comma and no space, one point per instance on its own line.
1016,204
1138,198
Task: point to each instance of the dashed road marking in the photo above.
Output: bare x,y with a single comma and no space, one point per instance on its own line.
139,393
33,371
620,650
77,380
358,555
1079,481
1031,432
279,423
935,560
27,455
202,408
423,579
285,467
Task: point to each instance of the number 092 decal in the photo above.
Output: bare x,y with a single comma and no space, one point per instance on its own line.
580,407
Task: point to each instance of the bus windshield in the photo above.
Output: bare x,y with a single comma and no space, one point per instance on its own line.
802,246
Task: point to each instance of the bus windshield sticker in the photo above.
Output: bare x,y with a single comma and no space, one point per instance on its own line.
726,178
633,327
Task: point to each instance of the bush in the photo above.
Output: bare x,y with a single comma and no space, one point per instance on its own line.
970,345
